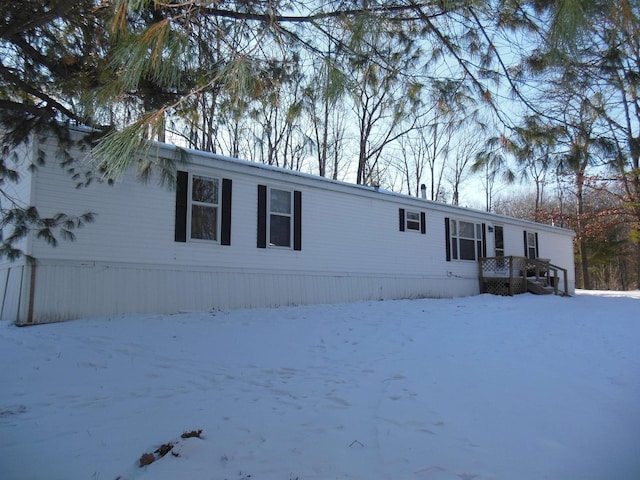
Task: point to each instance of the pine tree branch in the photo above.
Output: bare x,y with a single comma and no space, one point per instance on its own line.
37,19
52,104
41,112
315,17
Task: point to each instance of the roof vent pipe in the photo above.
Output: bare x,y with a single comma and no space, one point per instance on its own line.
423,191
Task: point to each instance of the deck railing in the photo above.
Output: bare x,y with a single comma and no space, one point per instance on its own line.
512,275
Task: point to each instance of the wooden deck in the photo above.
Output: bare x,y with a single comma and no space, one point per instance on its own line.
514,275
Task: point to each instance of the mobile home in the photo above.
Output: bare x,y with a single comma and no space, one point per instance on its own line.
230,234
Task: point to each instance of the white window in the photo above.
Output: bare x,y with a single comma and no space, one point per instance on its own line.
413,221
204,201
465,240
280,217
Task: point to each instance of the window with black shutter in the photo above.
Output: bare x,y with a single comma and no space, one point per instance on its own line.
464,240
530,244
203,208
279,218
412,221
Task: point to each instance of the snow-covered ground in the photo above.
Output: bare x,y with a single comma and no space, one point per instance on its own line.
519,388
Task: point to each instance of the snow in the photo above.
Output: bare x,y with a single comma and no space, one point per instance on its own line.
485,387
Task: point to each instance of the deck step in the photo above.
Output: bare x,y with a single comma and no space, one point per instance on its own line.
539,288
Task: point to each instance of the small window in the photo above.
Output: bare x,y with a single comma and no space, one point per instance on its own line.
204,208
413,221
279,218
531,244
280,215
465,240
498,233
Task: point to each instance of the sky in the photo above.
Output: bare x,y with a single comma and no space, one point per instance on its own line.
484,387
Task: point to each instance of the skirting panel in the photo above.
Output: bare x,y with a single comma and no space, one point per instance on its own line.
12,292
64,291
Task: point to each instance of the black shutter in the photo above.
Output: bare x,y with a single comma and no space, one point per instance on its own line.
225,235
484,240
297,220
447,238
423,223
182,189
262,216
401,215
537,250
526,249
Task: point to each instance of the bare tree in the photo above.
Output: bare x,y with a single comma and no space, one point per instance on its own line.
382,91
462,156
326,112
411,161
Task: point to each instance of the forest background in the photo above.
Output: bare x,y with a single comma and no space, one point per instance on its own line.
527,108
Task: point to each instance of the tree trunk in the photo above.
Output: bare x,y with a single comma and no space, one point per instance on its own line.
584,260
584,265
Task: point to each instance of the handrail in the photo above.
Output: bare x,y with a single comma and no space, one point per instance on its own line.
564,271
523,267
